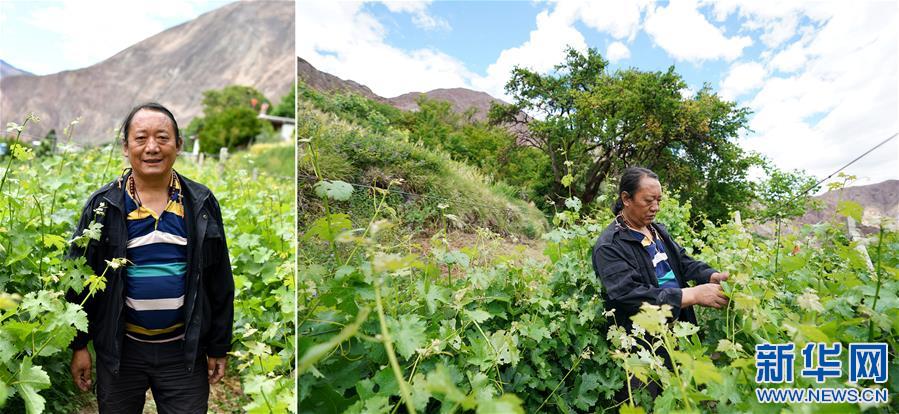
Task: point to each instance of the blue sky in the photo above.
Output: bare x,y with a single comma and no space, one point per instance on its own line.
44,37
820,77
475,23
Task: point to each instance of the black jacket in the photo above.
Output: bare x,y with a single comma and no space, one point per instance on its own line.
629,279
209,288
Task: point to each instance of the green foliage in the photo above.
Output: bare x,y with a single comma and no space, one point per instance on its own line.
492,149
496,337
477,333
287,106
528,170
335,190
42,198
274,159
230,127
425,179
377,116
36,323
784,194
230,119
602,122
232,96
256,213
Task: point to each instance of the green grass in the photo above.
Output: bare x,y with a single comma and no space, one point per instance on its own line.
429,179
276,159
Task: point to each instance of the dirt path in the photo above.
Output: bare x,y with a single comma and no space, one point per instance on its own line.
484,248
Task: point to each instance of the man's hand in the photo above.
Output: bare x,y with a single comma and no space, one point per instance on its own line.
81,368
216,368
709,294
718,277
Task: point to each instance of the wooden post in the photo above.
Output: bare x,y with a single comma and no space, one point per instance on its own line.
856,236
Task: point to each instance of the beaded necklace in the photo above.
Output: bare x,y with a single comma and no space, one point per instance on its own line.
133,189
652,231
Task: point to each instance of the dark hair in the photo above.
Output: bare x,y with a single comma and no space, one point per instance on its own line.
630,183
150,106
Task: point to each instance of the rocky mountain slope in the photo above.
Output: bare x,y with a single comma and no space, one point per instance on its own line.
326,82
880,200
461,99
244,43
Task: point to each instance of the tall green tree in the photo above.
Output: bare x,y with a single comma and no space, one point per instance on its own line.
231,127
784,194
287,106
233,96
230,118
593,123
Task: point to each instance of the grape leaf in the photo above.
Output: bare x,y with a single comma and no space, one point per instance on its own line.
850,208
32,379
334,189
508,403
408,334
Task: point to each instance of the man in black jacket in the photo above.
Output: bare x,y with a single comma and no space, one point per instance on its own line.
638,262
170,308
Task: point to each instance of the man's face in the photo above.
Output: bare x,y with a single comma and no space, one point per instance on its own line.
151,147
642,206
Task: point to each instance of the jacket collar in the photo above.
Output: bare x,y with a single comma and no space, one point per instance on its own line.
194,192
626,234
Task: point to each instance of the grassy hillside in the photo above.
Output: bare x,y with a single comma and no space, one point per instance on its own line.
354,140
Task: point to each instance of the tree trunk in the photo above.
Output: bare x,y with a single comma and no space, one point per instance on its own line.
599,173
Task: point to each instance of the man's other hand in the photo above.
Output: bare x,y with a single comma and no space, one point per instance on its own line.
81,369
216,368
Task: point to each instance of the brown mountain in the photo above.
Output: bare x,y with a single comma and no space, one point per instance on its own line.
879,200
244,43
461,99
326,82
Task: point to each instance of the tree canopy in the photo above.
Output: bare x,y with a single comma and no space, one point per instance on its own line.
593,123
230,118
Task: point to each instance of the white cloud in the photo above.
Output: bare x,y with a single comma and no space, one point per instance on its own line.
544,49
777,31
345,40
92,31
556,31
841,98
617,51
685,34
620,19
790,59
341,38
743,77
777,19
419,11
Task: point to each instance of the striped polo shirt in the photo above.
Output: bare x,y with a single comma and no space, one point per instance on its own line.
157,254
659,260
